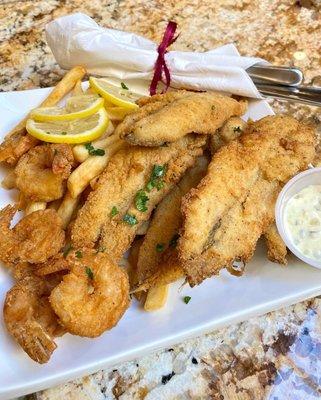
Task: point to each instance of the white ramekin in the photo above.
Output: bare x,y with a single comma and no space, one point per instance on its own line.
300,181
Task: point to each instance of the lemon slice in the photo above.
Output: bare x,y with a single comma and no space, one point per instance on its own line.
75,131
119,96
118,113
81,106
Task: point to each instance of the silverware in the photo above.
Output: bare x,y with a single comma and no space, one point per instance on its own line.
270,74
302,94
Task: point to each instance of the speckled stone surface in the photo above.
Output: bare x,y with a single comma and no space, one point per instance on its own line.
276,356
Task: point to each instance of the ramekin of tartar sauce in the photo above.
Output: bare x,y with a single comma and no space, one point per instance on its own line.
298,216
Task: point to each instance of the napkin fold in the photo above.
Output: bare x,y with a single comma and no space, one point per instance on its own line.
77,39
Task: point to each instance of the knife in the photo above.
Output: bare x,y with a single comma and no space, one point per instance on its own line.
303,94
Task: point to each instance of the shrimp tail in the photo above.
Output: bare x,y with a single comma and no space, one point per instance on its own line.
36,342
29,318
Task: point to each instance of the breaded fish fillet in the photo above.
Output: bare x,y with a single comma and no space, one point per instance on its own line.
234,204
171,116
129,171
276,248
156,254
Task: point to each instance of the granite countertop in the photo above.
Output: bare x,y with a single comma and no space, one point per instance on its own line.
276,356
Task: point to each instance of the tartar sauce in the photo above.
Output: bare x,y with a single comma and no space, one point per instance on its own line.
302,217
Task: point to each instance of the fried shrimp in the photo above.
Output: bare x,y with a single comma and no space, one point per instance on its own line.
34,239
41,174
30,319
93,296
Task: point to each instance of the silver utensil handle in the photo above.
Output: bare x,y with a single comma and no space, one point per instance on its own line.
302,94
270,74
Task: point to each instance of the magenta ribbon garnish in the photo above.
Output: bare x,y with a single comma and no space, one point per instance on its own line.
160,65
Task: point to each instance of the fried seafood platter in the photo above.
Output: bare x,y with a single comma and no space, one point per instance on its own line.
121,195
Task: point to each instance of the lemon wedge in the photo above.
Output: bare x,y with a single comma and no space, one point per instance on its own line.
81,106
118,113
119,96
75,131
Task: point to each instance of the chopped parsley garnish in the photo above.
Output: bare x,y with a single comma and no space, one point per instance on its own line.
130,219
160,247
98,152
89,273
94,152
124,86
67,250
78,254
173,241
237,129
187,299
141,200
158,171
155,181
114,211
64,133
149,186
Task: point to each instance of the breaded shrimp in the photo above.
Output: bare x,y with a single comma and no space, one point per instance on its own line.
30,319
93,296
41,174
34,239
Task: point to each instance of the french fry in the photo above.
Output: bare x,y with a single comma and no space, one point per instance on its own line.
80,178
54,205
35,206
17,142
81,153
93,182
9,181
67,208
77,89
156,298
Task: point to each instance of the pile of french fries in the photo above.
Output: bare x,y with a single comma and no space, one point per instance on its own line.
82,178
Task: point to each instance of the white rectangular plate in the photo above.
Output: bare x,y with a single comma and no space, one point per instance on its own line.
217,302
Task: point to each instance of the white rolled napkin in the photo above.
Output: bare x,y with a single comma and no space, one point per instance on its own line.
77,39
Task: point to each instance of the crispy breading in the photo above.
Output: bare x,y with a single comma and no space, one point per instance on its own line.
152,263
116,236
173,115
232,128
276,248
163,97
129,171
234,204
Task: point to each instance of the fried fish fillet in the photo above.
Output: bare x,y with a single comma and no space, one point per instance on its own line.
234,204
128,172
171,116
232,128
157,257
276,248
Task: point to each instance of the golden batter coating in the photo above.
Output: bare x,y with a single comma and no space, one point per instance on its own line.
128,172
276,248
174,115
234,204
